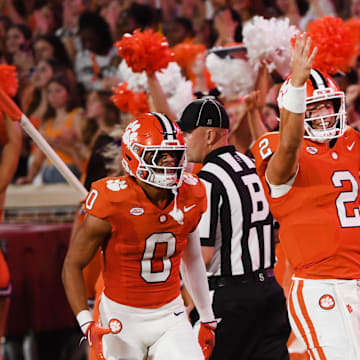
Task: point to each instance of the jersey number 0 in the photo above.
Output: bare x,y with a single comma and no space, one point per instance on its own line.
148,257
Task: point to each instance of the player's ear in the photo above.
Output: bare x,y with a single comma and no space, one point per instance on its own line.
210,136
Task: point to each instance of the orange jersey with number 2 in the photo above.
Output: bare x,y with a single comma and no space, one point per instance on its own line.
142,257
319,217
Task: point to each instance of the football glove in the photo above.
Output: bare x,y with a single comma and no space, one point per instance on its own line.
207,338
94,334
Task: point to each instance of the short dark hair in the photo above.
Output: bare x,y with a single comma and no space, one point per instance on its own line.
90,20
143,14
186,24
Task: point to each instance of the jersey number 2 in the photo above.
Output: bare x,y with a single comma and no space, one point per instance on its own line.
148,257
346,197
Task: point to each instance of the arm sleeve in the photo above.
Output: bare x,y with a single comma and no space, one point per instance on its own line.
194,276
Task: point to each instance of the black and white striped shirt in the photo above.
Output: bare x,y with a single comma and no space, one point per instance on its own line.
237,221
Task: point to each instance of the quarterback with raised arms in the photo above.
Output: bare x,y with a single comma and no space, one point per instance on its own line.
310,170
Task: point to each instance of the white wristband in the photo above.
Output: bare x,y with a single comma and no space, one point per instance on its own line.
84,319
294,99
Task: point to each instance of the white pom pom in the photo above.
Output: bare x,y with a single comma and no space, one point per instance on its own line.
137,82
233,77
269,40
169,78
177,89
182,97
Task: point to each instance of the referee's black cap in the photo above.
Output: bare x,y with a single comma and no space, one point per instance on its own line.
206,111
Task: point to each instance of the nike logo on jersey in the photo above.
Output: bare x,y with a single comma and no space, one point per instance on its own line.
188,208
349,147
178,313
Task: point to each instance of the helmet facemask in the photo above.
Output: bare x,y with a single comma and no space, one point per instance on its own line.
148,170
324,133
143,142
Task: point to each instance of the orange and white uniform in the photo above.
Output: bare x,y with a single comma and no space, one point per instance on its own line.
135,272
142,264
318,213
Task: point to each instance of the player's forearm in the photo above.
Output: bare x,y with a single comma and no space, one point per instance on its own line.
291,130
195,279
158,97
284,163
74,285
292,115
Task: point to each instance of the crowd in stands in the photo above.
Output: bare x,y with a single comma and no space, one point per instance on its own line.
68,65
65,56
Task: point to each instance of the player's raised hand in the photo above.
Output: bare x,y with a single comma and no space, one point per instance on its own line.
301,60
94,334
207,338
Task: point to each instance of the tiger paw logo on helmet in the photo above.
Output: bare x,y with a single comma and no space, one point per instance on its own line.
130,134
144,142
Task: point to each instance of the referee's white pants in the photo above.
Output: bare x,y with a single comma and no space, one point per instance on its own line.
164,333
325,315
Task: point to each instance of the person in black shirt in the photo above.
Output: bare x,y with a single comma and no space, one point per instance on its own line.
237,239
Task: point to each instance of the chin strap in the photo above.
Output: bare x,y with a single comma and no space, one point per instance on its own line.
176,213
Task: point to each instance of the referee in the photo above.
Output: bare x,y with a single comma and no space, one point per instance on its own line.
237,240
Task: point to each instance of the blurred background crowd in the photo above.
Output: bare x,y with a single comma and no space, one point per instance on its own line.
68,67
67,63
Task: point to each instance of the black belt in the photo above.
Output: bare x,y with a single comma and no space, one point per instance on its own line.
216,282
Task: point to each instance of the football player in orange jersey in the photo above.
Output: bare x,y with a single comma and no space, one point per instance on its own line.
145,223
10,147
311,170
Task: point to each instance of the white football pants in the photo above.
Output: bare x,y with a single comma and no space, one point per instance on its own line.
164,333
325,315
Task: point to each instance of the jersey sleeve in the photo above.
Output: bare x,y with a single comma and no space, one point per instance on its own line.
196,191
262,150
97,202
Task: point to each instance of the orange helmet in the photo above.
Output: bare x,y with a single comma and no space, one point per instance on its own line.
321,87
154,133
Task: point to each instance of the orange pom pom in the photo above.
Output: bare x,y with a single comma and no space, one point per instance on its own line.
128,101
139,104
334,42
147,51
121,97
185,53
353,25
8,79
